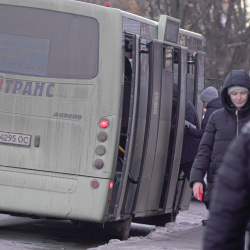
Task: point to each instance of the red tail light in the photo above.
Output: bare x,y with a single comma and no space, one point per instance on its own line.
95,184
111,184
104,123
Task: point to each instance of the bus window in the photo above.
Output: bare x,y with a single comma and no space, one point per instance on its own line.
68,52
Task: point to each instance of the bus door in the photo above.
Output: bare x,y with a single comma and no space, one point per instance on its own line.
136,147
195,85
158,123
183,191
168,196
130,145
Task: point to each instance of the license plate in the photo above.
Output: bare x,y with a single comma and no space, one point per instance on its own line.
15,139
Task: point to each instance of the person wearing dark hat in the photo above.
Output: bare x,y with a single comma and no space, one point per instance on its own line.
209,94
211,101
223,125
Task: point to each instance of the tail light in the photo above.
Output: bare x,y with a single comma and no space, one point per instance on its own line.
107,4
94,184
100,150
104,123
102,136
98,163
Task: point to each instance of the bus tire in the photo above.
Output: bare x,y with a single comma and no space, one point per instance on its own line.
126,228
120,229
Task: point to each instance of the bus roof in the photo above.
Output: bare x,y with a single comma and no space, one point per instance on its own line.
190,33
139,18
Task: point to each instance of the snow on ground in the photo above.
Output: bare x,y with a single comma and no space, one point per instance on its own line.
189,220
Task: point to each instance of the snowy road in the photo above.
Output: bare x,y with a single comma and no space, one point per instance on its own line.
31,234
186,233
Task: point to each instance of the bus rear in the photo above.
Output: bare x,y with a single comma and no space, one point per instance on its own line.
92,112
59,104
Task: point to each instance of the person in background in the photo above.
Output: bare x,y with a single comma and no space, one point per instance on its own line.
190,143
223,125
230,205
211,101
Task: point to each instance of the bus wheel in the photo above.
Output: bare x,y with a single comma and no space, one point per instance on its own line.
120,229
126,228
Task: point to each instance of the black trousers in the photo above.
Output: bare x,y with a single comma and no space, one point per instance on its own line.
186,168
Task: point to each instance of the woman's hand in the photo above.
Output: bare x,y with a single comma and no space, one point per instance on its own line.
196,187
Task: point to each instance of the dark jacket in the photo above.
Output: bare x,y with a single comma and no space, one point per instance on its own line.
230,205
190,144
223,125
211,107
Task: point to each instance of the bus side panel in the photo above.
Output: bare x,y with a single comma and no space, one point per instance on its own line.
158,173
142,203
173,175
140,134
195,84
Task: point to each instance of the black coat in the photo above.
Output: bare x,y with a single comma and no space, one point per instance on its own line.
223,125
230,205
190,143
211,107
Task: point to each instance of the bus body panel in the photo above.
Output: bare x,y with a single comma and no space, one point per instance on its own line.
62,197
138,150
152,130
63,115
161,153
177,147
158,129
69,100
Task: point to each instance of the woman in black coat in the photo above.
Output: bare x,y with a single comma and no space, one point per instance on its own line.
190,143
223,125
230,206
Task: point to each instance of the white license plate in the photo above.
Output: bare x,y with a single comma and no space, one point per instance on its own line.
15,139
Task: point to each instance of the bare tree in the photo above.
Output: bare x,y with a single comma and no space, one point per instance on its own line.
224,25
